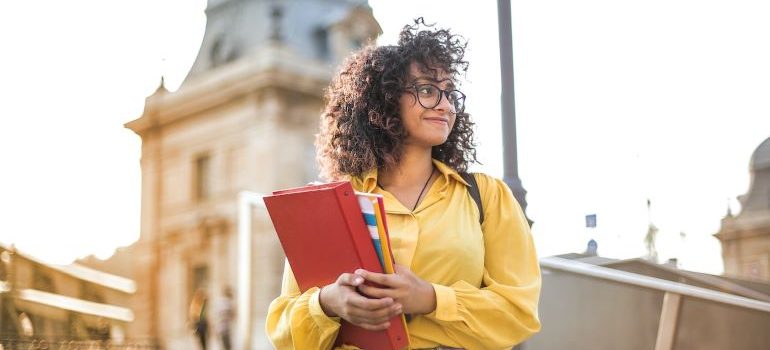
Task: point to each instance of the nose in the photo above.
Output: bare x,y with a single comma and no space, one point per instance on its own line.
444,104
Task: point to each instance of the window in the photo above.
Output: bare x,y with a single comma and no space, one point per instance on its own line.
90,292
321,38
356,43
42,280
200,276
202,177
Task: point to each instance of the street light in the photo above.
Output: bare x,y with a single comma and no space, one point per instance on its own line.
508,102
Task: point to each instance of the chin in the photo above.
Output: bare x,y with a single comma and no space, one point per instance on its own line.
430,140
439,142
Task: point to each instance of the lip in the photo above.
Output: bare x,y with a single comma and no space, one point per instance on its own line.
438,120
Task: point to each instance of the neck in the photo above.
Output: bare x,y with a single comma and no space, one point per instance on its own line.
414,167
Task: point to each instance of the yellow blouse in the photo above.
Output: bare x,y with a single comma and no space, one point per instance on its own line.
487,279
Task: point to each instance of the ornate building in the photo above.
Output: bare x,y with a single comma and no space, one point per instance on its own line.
746,237
43,303
243,120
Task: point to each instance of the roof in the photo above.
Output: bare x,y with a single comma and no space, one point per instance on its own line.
236,28
756,198
83,273
760,159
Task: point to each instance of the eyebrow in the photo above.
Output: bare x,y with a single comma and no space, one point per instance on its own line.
451,83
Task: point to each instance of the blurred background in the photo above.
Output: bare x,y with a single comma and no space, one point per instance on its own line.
136,137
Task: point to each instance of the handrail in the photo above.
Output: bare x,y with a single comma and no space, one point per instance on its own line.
651,283
73,304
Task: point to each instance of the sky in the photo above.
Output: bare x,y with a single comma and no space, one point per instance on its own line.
617,102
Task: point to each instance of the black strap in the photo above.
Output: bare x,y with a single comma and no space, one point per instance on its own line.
474,192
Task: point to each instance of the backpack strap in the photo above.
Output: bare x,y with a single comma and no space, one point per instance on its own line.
473,190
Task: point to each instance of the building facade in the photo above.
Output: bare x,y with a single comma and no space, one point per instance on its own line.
746,237
42,303
244,119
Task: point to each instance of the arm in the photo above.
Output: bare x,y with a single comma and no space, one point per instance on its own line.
311,320
503,311
295,320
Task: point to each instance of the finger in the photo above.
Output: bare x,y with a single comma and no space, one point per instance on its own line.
364,303
377,316
370,318
379,293
388,280
350,279
374,310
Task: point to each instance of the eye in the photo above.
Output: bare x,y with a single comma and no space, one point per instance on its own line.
426,90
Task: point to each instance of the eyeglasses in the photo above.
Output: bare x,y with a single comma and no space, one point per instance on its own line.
429,96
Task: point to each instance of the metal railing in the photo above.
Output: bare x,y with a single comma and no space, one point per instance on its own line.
61,344
672,297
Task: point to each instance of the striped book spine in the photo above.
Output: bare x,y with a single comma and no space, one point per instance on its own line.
368,210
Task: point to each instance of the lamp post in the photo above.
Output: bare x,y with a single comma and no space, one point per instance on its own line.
508,102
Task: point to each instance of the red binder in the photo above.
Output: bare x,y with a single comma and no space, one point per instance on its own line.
323,234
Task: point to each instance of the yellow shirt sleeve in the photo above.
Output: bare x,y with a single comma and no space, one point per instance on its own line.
503,311
295,320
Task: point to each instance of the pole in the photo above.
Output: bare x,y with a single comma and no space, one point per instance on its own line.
508,102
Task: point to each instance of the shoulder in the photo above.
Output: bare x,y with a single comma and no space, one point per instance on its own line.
489,184
495,192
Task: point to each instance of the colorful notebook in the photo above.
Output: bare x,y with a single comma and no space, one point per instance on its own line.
367,203
323,234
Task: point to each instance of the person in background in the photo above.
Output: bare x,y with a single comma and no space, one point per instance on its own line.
226,317
198,316
395,124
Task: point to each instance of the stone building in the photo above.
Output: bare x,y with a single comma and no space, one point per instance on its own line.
243,120
746,237
75,304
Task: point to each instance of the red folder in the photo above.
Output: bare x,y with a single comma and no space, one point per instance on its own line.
323,234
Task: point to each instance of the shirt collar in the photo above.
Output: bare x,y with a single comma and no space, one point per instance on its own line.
367,182
448,172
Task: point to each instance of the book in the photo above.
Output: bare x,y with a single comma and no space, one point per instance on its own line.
383,239
323,233
367,203
382,228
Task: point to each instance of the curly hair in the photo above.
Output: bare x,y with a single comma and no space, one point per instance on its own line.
361,126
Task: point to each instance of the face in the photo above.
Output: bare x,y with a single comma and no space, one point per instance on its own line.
426,126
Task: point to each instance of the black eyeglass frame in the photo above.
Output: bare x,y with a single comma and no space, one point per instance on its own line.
442,94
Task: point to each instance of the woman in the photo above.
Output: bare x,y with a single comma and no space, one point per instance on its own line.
395,125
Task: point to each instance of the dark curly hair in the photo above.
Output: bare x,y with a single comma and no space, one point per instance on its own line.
361,127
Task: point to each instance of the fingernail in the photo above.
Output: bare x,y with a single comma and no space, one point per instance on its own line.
358,280
360,272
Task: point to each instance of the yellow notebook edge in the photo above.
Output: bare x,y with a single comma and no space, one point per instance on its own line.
384,241
379,211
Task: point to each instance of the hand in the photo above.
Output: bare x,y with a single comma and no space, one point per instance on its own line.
415,294
342,299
